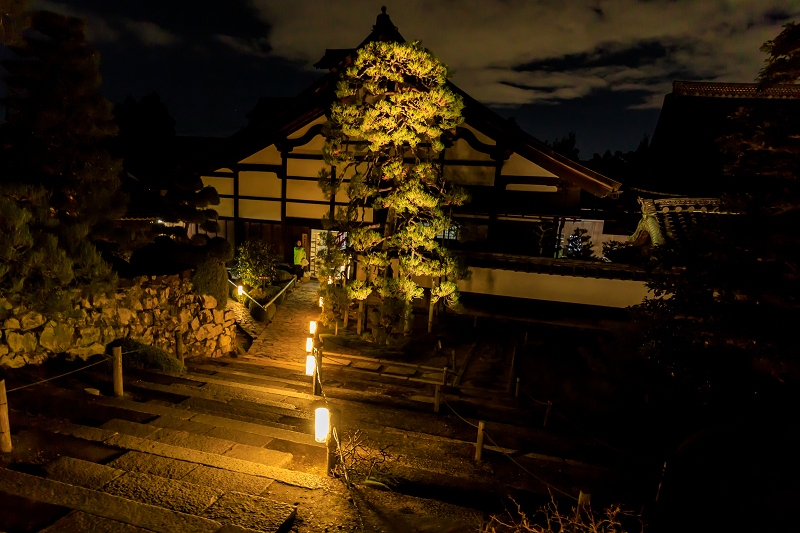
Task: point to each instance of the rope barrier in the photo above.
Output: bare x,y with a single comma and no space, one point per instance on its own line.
105,360
540,480
573,424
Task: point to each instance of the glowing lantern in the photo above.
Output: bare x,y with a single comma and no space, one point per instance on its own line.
309,344
310,364
330,280
320,301
312,328
241,290
321,424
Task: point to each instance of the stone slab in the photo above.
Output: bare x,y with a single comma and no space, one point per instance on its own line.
258,429
238,436
364,365
180,424
251,512
290,477
137,514
224,408
260,455
129,428
401,370
81,473
193,441
227,481
167,493
155,465
80,522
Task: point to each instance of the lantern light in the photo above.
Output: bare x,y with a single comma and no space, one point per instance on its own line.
330,280
309,344
241,290
320,301
312,327
311,362
321,424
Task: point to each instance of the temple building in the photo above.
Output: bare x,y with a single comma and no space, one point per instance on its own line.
266,175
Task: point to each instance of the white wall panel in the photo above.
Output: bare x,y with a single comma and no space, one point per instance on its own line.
254,183
222,185
268,156
519,166
260,209
316,211
225,207
304,190
307,168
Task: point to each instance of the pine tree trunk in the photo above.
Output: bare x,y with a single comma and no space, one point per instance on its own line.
360,319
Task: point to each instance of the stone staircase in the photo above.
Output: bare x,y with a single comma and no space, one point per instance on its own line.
218,449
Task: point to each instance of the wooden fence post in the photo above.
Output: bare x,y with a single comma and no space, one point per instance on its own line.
316,388
444,376
360,317
453,360
117,351
437,398
513,374
584,501
179,350
5,425
333,434
516,392
547,413
479,443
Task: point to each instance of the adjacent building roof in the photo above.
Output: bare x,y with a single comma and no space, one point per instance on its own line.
685,159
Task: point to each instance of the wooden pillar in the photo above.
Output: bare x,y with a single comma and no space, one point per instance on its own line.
584,502
513,372
360,319
5,425
238,228
479,442
117,351
437,398
285,238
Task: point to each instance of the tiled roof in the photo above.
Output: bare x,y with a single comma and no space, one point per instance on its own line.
734,90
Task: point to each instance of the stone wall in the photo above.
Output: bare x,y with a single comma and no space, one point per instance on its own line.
150,309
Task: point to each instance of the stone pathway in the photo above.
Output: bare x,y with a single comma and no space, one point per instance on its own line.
243,318
284,339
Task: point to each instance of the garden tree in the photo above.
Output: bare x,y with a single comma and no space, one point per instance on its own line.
59,186
735,294
331,263
579,245
159,192
384,134
254,265
565,146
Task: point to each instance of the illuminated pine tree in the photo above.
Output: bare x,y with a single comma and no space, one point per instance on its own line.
384,134
579,245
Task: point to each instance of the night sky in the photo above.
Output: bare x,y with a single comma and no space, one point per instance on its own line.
598,68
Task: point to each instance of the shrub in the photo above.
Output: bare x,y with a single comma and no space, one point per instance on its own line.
255,263
211,278
138,355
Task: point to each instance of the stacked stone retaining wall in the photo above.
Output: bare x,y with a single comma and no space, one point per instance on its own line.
151,309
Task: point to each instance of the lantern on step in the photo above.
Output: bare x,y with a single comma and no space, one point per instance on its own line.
309,344
311,362
312,327
320,301
322,422
240,290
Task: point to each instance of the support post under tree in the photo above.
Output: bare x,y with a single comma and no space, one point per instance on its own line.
360,319
334,434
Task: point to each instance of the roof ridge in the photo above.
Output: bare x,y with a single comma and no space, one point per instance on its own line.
734,90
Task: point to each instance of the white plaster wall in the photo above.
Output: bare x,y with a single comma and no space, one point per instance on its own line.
255,183
303,190
268,156
222,185
306,168
589,291
519,166
260,209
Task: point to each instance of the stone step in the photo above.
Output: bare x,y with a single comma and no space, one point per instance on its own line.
145,516
200,442
201,491
80,522
253,425
130,443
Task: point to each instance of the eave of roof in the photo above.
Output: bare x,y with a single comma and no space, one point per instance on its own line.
734,90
